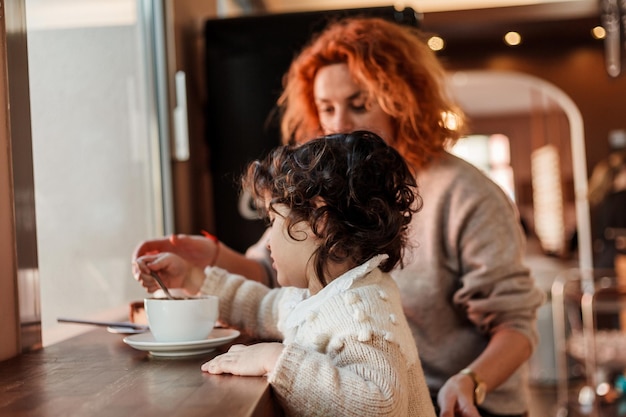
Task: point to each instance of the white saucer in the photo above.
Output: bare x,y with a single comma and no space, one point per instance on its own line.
145,341
125,330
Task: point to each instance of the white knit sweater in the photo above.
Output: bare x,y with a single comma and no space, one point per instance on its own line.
465,255
348,349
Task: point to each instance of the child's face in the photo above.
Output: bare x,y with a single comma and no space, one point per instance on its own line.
291,256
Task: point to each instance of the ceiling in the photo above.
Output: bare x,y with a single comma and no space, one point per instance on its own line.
419,5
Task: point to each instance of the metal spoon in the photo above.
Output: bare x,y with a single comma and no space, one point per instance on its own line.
163,287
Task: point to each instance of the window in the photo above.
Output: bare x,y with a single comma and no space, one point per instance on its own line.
491,154
96,158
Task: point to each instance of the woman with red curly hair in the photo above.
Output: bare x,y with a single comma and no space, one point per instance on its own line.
469,300
397,75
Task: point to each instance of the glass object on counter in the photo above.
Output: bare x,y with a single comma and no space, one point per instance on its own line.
589,309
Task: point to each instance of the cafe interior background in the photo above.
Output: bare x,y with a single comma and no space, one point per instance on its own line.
116,132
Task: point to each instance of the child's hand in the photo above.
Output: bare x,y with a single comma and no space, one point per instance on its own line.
253,360
174,271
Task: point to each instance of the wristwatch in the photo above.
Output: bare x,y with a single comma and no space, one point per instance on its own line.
480,388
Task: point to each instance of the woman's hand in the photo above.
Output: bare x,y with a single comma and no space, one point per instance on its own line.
197,250
456,397
174,271
253,360
506,351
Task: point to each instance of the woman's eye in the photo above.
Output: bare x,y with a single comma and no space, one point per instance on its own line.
359,107
325,109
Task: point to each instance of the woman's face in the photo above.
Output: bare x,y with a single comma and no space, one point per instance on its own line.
344,106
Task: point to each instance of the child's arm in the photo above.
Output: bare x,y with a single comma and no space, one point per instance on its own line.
247,305
365,379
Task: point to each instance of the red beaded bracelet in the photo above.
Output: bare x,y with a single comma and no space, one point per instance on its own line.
217,245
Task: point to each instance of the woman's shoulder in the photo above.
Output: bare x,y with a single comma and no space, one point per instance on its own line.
452,166
451,175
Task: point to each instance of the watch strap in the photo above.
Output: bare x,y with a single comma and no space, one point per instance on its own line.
479,385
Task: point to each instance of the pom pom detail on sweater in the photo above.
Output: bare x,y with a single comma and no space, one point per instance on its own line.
321,341
365,335
336,344
351,298
389,337
359,315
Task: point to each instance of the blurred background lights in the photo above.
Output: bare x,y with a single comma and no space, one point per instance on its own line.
603,389
598,32
436,43
512,38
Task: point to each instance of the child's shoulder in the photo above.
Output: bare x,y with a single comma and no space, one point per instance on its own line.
368,312
375,294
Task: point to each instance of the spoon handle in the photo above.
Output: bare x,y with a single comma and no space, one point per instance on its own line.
133,326
163,287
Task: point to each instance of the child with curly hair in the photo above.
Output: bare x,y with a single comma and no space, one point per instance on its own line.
339,208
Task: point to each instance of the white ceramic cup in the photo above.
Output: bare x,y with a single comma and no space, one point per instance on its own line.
181,320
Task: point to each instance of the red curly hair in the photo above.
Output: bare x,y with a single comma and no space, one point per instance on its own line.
394,65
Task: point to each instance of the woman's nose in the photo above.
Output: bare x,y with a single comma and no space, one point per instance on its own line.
342,123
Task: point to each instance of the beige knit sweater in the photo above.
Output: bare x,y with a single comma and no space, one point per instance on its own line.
348,349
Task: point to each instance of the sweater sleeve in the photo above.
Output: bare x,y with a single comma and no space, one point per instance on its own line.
248,305
496,290
365,380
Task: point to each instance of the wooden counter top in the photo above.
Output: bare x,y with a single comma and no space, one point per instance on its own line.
97,374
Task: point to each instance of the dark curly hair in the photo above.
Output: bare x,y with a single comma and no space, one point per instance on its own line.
356,192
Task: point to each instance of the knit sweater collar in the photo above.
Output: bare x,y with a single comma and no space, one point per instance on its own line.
342,283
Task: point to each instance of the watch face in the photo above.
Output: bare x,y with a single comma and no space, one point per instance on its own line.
479,393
